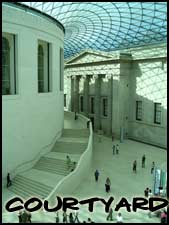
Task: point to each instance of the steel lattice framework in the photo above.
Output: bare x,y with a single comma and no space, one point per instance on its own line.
107,26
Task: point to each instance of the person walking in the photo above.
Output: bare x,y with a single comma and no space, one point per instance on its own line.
163,217
150,194
110,214
68,162
152,167
119,218
76,218
89,220
20,216
25,217
146,192
73,166
9,182
112,137
29,217
57,217
108,184
114,148
96,174
64,217
143,161
76,117
71,219
135,166
117,149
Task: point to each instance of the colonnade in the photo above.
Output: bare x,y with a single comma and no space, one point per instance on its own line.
97,102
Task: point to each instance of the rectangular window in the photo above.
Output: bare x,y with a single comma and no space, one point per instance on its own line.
64,100
92,105
8,64
138,110
157,113
61,68
105,107
44,81
81,103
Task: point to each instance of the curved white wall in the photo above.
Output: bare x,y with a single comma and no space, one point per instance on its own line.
69,183
31,120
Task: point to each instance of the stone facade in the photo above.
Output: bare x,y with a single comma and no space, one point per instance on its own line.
106,86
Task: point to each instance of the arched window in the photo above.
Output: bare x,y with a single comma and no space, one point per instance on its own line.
40,69
5,67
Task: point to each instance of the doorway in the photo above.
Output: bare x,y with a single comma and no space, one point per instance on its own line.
92,120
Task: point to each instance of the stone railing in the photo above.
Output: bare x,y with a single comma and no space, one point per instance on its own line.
69,183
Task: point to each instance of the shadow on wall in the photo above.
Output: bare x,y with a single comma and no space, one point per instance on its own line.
149,85
145,81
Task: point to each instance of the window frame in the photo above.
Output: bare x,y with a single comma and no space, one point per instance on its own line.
11,38
156,111
103,109
47,83
138,110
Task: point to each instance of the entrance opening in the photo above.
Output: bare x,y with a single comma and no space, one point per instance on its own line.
92,120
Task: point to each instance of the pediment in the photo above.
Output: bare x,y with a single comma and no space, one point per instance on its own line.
87,57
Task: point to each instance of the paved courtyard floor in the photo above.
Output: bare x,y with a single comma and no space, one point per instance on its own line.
124,183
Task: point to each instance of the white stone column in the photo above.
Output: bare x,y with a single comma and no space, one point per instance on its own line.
72,93
86,94
97,122
109,96
76,94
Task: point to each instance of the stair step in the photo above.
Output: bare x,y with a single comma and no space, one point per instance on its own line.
52,160
23,190
21,177
52,171
19,192
75,133
51,167
69,147
27,187
33,188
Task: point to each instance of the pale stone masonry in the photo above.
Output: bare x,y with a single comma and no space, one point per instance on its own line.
114,82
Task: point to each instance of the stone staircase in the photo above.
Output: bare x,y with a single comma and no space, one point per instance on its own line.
56,166
25,187
69,147
75,133
53,165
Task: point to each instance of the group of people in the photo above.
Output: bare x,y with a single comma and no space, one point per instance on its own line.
148,192
119,217
24,216
71,218
143,165
107,183
74,217
116,149
70,166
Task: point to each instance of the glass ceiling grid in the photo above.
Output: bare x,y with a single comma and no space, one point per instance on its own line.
107,26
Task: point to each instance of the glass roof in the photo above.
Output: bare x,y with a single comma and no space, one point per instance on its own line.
107,26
